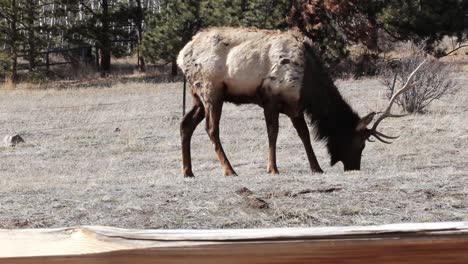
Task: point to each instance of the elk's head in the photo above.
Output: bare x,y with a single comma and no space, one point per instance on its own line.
348,149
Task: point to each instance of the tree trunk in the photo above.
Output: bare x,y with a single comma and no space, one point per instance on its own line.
106,41
11,77
31,38
174,67
374,37
139,22
97,58
105,61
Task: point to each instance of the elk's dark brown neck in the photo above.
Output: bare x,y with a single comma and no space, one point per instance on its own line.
333,118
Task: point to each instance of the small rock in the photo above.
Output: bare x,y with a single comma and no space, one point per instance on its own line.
244,191
117,130
107,199
12,141
250,200
256,203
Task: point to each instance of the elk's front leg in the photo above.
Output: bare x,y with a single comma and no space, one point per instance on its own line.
187,126
213,115
271,118
303,131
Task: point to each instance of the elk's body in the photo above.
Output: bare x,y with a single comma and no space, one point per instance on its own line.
240,62
278,71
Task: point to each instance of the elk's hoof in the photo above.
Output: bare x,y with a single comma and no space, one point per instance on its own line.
273,171
188,174
230,174
317,170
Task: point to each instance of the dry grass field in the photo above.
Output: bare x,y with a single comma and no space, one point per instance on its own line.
111,156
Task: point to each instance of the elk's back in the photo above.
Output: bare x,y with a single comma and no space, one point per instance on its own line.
244,60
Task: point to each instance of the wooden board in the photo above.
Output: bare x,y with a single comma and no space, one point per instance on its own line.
401,243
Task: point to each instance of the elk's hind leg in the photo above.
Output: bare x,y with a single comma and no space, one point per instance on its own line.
303,131
187,126
271,118
213,115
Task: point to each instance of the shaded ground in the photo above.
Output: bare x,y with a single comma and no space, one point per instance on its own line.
77,168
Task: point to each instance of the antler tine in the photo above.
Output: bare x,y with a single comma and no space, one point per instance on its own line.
380,139
387,113
383,135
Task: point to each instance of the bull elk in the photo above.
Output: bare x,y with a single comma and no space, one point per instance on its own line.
281,72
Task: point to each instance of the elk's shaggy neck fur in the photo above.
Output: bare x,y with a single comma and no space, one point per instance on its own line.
333,118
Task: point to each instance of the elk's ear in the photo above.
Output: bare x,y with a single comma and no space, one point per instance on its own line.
365,121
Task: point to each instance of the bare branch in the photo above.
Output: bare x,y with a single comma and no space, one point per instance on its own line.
387,113
87,7
405,87
460,46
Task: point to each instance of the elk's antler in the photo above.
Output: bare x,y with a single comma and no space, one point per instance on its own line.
373,131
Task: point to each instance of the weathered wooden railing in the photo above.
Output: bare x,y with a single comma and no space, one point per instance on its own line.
401,243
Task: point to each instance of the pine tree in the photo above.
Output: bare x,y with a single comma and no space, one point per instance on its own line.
99,23
218,13
428,20
23,32
10,36
92,27
170,29
178,20
265,14
4,63
334,24
139,18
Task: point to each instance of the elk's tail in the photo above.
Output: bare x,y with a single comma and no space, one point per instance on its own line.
185,57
